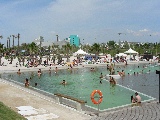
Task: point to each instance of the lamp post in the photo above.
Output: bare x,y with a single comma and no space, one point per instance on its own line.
119,38
57,37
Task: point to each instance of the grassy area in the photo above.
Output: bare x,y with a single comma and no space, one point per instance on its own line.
8,114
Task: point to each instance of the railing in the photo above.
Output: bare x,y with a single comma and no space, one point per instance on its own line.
79,103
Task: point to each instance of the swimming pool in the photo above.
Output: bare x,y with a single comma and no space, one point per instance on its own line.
81,82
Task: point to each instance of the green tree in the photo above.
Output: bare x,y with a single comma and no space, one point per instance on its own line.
95,48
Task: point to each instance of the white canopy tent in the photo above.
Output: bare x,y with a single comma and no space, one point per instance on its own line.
121,55
130,51
80,52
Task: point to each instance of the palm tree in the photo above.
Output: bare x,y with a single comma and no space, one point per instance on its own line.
18,36
1,51
8,38
95,48
111,44
13,39
32,48
86,48
67,47
1,36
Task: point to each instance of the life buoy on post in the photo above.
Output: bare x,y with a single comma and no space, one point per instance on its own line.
100,97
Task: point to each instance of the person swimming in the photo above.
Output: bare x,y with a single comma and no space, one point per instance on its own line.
63,82
101,76
26,83
19,72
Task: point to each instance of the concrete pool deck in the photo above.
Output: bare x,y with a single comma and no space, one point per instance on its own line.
13,96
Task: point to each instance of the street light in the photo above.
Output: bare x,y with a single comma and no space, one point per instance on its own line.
57,37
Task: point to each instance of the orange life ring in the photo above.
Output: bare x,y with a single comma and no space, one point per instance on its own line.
100,96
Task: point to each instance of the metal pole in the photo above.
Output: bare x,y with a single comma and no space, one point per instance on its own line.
158,72
98,109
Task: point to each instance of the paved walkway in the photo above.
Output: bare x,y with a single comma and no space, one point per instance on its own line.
14,96
148,111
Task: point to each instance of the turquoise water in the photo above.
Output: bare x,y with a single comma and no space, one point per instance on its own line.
81,82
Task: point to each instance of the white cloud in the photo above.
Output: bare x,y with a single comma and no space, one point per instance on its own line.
144,30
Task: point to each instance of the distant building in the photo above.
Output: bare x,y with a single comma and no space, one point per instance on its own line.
74,40
60,44
39,40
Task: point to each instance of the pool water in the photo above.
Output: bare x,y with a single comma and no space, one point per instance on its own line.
81,82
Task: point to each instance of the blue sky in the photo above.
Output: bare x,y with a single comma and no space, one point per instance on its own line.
93,20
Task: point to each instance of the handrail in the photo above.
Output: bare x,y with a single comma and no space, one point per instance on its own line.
69,97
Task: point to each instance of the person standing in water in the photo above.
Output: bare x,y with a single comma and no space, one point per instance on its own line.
26,83
64,82
101,77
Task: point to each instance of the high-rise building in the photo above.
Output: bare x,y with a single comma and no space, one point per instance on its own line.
74,40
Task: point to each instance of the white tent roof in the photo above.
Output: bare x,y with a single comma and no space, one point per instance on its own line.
80,51
131,51
121,54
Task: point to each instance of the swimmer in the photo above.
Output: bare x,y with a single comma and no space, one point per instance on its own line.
35,84
49,70
26,83
112,80
39,73
134,73
40,70
119,73
19,72
101,76
122,73
56,70
142,71
63,82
